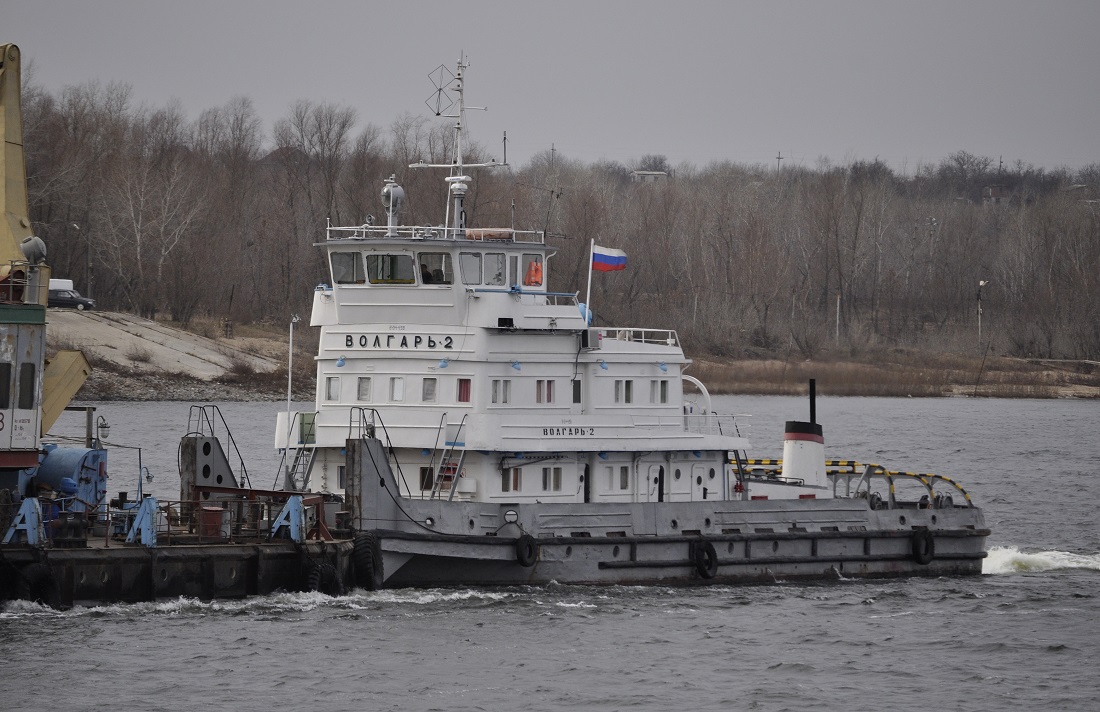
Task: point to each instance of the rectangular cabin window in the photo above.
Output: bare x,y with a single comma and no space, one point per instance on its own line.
435,268
469,264
363,392
347,268
390,269
501,391
551,479
342,476
624,391
532,270
513,267
544,391
463,390
5,386
427,478
428,392
577,391
332,388
397,389
26,386
624,477
658,391
495,269
511,479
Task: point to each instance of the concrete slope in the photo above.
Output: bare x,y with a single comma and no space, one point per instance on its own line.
146,346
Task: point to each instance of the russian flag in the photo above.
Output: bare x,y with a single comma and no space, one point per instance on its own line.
607,259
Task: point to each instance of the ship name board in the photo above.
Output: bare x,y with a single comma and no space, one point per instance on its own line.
398,341
569,432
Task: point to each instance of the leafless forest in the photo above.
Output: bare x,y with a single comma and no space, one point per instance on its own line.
151,212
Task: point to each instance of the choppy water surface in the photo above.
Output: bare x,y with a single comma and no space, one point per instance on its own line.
1026,635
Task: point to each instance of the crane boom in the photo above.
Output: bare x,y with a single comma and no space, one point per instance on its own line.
16,224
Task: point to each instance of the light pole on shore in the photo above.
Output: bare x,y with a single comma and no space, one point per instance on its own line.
981,283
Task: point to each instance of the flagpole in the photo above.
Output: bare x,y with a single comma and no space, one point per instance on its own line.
588,295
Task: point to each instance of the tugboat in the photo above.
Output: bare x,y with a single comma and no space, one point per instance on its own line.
471,427
474,427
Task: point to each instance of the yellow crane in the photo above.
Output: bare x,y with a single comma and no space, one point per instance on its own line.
24,289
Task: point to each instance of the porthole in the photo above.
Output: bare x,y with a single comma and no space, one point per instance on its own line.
711,474
729,548
676,474
164,574
206,449
206,472
218,479
471,524
933,518
615,552
707,521
568,551
675,524
775,546
901,519
699,480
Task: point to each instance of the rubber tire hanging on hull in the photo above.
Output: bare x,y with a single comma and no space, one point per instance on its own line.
527,551
38,585
924,547
324,578
706,559
366,558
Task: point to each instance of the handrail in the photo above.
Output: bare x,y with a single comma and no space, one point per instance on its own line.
416,232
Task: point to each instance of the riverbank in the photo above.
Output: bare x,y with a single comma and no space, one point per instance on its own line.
139,360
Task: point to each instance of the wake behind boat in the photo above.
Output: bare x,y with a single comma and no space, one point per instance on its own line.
471,427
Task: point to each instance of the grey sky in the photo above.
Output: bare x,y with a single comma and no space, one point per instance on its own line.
907,82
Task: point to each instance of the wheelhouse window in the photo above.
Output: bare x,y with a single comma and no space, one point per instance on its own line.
435,268
397,389
363,392
428,391
390,268
463,390
332,388
576,390
347,268
469,264
496,271
532,270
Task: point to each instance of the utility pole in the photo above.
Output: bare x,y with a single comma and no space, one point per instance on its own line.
778,158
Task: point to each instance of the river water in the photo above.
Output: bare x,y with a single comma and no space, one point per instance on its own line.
1024,635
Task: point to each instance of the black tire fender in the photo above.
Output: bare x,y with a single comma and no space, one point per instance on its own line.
324,578
924,547
38,585
706,559
527,550
366,560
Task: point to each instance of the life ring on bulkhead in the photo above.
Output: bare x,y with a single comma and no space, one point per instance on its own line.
706,559
366,559
527,551
924,547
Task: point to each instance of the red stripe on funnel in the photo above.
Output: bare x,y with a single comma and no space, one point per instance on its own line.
804,436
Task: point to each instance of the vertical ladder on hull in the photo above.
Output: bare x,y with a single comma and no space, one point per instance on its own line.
300,467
